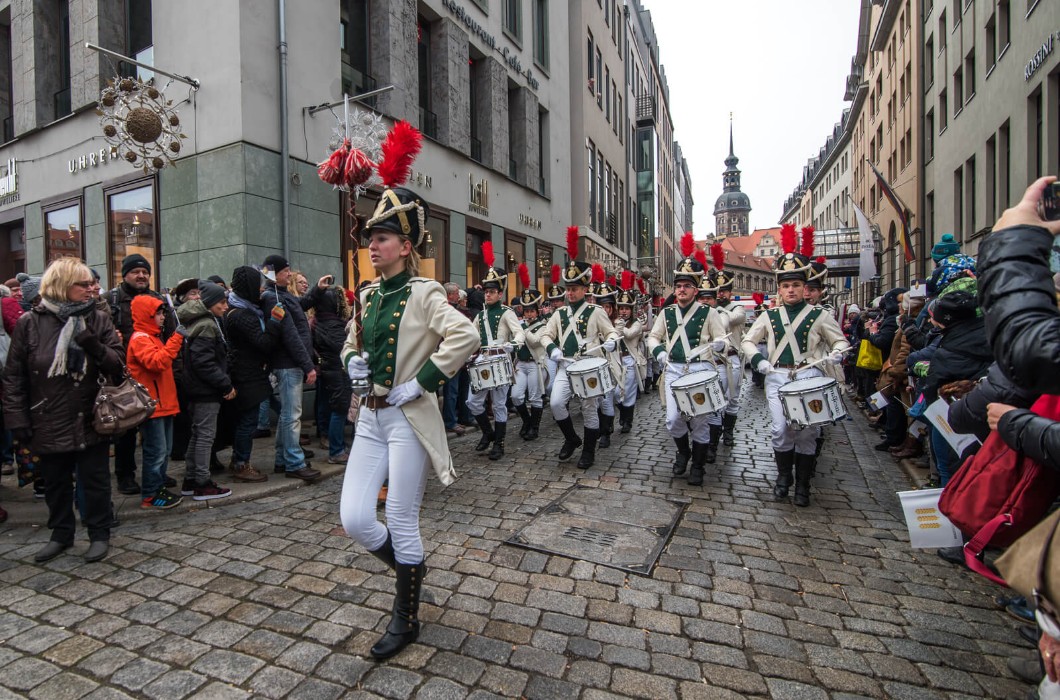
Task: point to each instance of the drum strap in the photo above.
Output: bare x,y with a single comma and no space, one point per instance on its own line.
679,332
484,319
789,339
572,327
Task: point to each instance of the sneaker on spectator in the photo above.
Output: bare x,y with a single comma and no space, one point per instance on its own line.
1003,600
187,487
209,491
954,555
163,500
38,488
243,471
1027,669
7,469
339,459
1022,613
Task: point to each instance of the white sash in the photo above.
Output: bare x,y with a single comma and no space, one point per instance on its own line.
572,327
679,332
789,340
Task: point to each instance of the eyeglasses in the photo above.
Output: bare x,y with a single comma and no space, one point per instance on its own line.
85,285
685,285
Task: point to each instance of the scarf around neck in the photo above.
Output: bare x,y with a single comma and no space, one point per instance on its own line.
69,357
241,303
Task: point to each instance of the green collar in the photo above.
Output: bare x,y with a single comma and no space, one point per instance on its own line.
796,307
494,305
576,307
394,283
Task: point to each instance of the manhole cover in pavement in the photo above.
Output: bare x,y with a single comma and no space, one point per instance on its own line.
621,530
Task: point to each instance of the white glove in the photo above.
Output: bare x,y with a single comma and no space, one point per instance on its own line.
620,323
507,347
403,393
662,357
358,368
836,358
764,367
610,345
718,345
556,355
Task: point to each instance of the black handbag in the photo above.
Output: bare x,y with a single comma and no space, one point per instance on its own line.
121,407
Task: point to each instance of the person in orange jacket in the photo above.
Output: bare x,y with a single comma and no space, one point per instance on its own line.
151,363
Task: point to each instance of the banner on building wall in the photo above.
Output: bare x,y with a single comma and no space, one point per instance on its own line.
903,213
867,263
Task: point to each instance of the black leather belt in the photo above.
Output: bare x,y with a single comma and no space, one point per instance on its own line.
373,402
732,353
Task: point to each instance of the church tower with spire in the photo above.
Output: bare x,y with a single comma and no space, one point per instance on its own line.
732,210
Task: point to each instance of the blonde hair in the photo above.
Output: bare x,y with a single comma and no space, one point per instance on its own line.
412,262
292,284
60,275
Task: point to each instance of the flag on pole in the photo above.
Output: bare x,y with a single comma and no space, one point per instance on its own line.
903,213
867,267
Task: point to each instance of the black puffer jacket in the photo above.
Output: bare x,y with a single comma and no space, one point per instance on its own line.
329,335
295,350
251,341
57,409
1017,294
962,354
1034,436
969,414
204,372
888,328
120,299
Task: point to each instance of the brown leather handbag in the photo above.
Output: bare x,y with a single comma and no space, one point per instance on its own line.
121,407
1031,567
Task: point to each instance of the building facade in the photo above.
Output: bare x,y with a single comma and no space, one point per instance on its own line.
830,185
991,77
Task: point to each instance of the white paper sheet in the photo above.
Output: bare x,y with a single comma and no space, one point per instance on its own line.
938,413
928,527
878,401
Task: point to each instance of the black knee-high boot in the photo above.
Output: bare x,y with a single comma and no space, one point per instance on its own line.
728,425
785,463
684,453
385,553
588,448
712,446
625,419
535,423
607,425
404,625
487,432
499,429
699,458
524,413
571,441
803,473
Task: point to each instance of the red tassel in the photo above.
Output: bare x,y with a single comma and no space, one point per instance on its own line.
487,253
399,149
788,238
358,169
701,256
330,171
688,244
598,273
524,275
556,272
807,241
627,280
717,253
572,242
820,259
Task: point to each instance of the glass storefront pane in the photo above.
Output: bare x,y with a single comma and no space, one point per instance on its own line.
131,229
62,235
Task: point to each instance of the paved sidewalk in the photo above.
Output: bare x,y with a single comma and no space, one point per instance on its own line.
751,598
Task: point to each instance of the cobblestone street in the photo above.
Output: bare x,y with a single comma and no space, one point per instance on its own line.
751,598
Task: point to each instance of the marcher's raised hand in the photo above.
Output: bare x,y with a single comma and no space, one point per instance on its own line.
1025,213
357,368
764,367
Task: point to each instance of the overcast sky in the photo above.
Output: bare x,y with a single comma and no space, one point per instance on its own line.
779,66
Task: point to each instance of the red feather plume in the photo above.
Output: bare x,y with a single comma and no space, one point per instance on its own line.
524,275
399,149
487,253
688,244
717,254
759,298
641,286
807,241
572,242
627,280
701,257
611,281
556,272
788,238
820,259
598,273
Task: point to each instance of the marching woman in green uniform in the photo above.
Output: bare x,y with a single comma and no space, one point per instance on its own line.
413,342
529,360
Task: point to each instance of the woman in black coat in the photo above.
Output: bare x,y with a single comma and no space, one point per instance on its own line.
329,334
251,340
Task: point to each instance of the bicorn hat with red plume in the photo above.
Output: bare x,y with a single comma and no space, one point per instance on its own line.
790,264
400,210
627,296
818,273
555,292
723,279
688,268
496,277
577,272
530,296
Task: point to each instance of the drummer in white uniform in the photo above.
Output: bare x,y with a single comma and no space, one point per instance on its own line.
631,350
796,334
817,294
574,331
556,298
499,333
735,318
680,340
529,360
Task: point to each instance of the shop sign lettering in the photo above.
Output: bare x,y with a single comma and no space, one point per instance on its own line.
92,159
510,57
1039,57
9,183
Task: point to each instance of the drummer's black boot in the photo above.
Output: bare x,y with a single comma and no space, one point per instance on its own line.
607,425
535,423
625,420
498,441
712,446
785,462
684,453
571,441
803,474
404,625
524,413
728,425
588,448
699,457
385,553
487,432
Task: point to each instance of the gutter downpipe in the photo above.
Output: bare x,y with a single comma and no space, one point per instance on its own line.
285,146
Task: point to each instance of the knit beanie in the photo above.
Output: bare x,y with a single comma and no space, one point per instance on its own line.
246,282
946,247
30,286
274,264
958,306
210,293
131,262
217,279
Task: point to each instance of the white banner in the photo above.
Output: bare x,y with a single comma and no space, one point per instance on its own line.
867,267
928,527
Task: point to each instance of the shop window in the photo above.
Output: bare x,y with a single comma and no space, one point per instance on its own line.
63,237
131,227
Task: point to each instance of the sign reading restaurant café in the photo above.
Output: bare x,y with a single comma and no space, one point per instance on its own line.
509,56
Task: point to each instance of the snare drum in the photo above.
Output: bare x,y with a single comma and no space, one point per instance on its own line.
699,393
590,377
491,371
812,401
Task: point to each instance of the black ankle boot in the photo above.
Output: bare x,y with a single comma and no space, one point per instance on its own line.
712,446
385,553
524,413
404,625
607,425
571,441
535,423
684,453
728,425
785,461
699,457
588,448
487,432
498,441
625,419
803,473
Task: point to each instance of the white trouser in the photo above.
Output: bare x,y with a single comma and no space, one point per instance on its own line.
561,394
735,386
628,381
608,401
550,367
676,423
385,446
785,437
476,402
527,382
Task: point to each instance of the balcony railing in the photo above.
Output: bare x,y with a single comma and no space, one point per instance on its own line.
429,123
645,109
62,103
476,150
